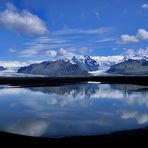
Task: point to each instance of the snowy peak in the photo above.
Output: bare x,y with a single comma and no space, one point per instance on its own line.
85,62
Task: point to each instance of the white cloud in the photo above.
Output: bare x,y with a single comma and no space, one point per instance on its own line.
65,53
21,22
125,39
144,6
142,34
62,53
70,52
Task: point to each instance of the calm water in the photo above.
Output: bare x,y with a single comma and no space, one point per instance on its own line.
80,109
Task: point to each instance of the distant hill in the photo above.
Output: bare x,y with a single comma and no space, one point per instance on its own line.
130,67
57,68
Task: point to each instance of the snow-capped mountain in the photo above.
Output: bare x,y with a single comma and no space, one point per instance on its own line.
58,68
85,62
130,67
94,63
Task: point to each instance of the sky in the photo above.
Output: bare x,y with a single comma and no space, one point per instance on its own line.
51,29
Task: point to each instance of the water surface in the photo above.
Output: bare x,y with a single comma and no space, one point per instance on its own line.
73,110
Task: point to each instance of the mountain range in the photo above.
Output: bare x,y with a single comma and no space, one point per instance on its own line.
62,67
85,63
83,66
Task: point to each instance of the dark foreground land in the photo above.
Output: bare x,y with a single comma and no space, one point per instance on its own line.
52,81
131,137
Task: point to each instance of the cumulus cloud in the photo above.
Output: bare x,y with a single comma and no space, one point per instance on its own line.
125,39
144,6
22,22
142,34
60,53
65,53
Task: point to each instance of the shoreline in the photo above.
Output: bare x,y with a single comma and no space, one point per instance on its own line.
55,81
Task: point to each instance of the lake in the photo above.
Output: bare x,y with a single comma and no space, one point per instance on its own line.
73,110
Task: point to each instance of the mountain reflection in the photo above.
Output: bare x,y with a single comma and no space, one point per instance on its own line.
89,90
83,89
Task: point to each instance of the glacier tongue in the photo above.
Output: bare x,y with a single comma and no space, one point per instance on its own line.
106,62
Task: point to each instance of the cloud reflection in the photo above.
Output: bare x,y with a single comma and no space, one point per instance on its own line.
30,127
140,117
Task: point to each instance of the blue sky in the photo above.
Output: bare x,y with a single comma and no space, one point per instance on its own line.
45,29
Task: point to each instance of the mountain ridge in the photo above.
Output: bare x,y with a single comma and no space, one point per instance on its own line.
130,67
